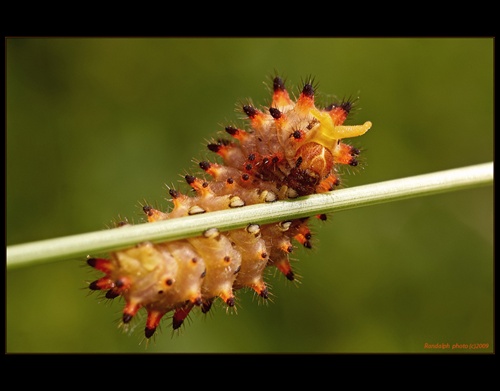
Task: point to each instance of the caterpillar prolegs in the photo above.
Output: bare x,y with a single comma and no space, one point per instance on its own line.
291,148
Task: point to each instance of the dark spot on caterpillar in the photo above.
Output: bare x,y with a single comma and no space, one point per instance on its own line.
250,111
174,193
298,162
232,131
147,209
230,181
205,307
119,283
230,302
308,90
311,124
198,301
237,270
301,181
248,167
148,332
278,84
92,262
346,106
245,177
353,162
112,293
214,147
322,217
179,315
126,318
297,134
227,259
169,281
204,165
275,113
189,179
251,157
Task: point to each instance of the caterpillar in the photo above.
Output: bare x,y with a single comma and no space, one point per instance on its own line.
290,149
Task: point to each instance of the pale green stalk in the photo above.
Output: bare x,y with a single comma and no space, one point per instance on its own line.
102,241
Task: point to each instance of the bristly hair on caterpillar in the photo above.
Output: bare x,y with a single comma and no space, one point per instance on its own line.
290,148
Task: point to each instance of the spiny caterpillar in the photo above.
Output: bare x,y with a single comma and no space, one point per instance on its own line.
291,149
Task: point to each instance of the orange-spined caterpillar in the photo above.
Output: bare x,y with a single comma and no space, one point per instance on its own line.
291,149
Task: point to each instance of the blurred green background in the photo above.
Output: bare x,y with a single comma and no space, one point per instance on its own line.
95,126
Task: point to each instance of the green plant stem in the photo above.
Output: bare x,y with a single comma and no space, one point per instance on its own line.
113,239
